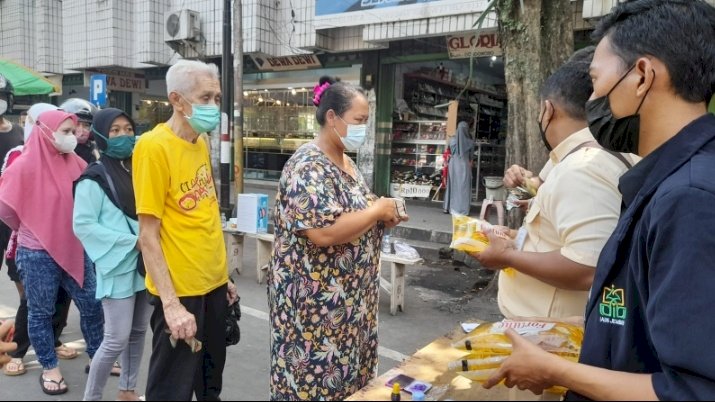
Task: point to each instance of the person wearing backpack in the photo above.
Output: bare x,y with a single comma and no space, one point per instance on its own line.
105,221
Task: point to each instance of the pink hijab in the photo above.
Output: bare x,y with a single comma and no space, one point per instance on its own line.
38,186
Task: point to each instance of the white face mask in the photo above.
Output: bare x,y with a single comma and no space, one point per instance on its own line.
65,143
356,136
3,106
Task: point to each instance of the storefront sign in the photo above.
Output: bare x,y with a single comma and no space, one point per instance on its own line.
410,190
462,46
332,13
325,7
287,63
121,80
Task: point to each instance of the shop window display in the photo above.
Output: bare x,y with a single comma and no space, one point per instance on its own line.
419,135
276,123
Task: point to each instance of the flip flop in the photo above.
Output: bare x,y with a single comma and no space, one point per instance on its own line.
65,352
58,391
116,370
20,370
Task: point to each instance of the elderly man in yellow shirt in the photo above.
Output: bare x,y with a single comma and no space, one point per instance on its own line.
571,217
182,241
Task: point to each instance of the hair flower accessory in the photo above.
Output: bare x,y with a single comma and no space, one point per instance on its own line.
318,92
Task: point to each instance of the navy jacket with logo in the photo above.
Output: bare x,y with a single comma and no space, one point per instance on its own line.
652,306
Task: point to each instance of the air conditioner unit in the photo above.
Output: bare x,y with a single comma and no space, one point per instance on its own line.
182,25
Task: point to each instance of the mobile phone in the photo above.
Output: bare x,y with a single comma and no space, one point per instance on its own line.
409,384
402,379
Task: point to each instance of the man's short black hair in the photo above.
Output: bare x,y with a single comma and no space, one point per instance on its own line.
679,33
570,85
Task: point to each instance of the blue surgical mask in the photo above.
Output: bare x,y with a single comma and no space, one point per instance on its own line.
120,147
204,118
357,133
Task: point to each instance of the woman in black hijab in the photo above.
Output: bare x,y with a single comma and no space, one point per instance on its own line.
105,221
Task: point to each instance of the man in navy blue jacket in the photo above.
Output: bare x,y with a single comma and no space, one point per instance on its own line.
649,321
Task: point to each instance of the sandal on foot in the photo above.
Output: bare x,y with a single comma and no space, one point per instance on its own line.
58,391
14,368
116,370
65,352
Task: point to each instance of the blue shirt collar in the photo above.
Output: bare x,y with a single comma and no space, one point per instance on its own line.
646,175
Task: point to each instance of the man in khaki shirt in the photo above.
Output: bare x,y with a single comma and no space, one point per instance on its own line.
571,217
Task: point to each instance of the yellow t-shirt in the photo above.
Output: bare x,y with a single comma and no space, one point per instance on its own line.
173,182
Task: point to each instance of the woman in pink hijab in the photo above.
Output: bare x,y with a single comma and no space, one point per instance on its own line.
36,200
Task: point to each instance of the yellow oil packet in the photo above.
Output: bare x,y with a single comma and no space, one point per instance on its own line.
488,346
470,235
555,337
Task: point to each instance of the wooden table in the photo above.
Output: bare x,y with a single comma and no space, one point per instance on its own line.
264,250
395,287
234,250
430,364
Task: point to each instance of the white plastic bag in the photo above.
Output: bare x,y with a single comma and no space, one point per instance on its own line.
404,250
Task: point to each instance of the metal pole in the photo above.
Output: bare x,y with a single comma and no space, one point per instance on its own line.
238,94
227,112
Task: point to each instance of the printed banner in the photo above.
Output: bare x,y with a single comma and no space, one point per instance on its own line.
343,13
325,7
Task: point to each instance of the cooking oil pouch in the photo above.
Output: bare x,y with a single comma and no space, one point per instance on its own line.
481,376
470,235
488,346
489,340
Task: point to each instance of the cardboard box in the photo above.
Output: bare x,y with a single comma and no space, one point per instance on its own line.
252,213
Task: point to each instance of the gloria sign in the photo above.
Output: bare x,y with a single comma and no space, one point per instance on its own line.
463,46
332,13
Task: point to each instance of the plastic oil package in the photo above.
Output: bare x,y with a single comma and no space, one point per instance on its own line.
470,235
488,346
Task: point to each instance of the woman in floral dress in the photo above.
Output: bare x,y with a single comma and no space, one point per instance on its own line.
324,281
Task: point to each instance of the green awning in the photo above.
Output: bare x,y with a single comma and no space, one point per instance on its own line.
24,80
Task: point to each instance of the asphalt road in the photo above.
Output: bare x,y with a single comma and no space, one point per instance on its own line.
437,300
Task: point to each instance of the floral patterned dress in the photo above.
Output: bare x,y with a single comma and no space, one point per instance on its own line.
323,301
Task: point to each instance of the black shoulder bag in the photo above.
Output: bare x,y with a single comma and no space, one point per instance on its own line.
140,262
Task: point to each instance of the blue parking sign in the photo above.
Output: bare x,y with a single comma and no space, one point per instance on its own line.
98,89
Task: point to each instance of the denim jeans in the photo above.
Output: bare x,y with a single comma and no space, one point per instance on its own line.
42,278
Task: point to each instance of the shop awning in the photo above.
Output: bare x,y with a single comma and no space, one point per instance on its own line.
26,81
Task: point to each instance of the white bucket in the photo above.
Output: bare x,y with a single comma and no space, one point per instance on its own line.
494,186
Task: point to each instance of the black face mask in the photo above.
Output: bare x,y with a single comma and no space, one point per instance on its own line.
543,133
618,135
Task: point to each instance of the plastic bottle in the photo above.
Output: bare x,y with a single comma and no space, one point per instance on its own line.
418,396
386,244
395,392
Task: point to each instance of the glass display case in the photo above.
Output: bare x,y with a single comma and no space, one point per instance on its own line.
276,124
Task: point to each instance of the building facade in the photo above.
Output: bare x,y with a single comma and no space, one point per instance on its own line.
414,56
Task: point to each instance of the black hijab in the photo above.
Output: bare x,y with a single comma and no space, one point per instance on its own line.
122,178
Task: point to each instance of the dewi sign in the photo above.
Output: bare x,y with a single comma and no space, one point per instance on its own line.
340,13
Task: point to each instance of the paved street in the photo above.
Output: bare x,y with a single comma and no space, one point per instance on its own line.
438,298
